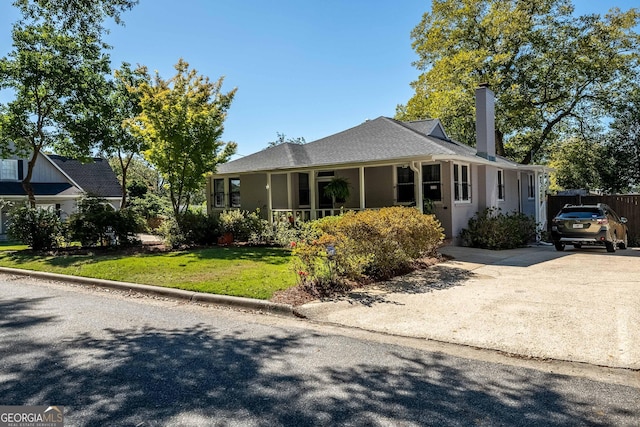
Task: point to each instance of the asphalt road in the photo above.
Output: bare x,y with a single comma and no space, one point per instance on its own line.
128,360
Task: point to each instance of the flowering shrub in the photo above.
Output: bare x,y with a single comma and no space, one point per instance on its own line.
375,243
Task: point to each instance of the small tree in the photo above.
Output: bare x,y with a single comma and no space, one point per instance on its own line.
182,121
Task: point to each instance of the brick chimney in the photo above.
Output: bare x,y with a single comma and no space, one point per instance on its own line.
485,122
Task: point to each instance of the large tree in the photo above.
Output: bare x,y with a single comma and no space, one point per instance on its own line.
550,69
56,72
621,171
121,109
182,121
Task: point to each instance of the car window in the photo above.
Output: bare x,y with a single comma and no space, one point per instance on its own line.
580,213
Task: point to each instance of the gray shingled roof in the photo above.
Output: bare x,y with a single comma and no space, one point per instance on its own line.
95,178
374,140
39,188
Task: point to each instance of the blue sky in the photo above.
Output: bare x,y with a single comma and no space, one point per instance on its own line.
303,68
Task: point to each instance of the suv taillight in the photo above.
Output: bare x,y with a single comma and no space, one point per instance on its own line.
603,221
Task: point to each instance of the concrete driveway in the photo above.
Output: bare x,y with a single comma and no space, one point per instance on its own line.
577,305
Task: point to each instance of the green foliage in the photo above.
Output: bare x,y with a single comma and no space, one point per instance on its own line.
171,233
122,107
56,73
577,163
492,229
233,221
374,243
551,70
181,122
97,224
149,206
40,229
621,170
199,228
282,139
337,189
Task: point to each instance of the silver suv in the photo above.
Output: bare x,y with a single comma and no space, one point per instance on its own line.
589,225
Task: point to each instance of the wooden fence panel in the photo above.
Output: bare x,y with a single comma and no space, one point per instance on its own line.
627,206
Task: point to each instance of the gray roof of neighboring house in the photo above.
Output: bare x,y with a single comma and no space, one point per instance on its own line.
95,178
39,188
380,139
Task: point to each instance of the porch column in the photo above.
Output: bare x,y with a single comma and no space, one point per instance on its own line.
362,200
541,202
289,194
417,168
312,193
269,199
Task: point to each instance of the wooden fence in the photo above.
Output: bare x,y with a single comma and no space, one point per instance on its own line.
626,206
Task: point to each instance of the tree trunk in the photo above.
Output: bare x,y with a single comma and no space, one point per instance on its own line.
26,181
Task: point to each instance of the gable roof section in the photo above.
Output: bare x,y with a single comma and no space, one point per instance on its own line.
374,140
95,178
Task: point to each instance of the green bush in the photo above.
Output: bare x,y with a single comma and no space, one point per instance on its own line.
233,222
40,229
97,224
492,229
374,243
199,228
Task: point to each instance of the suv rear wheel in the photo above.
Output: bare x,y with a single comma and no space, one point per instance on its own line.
611,246
624,243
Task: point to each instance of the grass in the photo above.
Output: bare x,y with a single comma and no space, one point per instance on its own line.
253,272
12,246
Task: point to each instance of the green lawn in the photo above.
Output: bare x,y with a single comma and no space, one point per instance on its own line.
241,271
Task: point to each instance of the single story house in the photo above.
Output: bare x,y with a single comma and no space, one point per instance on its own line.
58,182
386,162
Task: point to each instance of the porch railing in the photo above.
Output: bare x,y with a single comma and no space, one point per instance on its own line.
297,215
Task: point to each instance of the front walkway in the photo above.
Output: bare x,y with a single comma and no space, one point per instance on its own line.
577,305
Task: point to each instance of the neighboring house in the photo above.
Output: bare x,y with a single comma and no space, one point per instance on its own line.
387,163
58,183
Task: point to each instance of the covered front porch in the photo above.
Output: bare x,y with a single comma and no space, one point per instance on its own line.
452,190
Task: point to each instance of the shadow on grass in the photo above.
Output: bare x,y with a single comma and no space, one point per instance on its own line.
199,375
264,255
430,279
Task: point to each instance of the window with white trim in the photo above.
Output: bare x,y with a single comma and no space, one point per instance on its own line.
531,188
405,185
218,193
304,194
234,192
431,182
9,169
501,185
461,183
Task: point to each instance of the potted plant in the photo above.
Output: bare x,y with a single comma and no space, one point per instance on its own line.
337,189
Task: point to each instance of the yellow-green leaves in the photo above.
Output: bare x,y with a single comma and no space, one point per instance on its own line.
181,121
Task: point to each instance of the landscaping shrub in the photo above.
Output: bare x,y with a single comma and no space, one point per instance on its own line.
97,224
492,229
151,207
40,229
171,233
198,228
375,243
233,221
